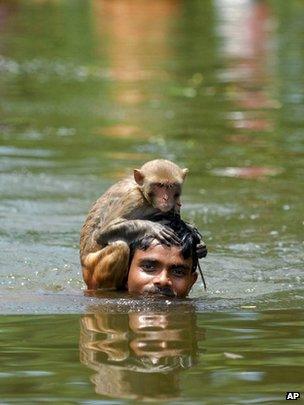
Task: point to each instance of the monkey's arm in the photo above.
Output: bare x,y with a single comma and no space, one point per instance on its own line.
129,230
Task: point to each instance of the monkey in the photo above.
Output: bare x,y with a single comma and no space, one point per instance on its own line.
130,209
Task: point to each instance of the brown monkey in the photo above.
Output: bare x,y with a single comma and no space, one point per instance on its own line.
127,211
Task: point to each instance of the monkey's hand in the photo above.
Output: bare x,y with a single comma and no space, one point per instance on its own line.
201,250
162,233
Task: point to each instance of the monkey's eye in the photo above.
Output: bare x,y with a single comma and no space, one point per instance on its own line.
176,195
151,194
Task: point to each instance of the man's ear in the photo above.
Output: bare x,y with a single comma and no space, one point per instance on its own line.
193,280
138,177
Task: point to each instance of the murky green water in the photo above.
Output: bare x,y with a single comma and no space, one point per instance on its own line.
90,90
208,358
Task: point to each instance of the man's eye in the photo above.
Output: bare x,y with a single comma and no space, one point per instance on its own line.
148,267
179,272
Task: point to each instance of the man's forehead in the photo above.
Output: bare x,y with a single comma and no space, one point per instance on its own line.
158,248
159,252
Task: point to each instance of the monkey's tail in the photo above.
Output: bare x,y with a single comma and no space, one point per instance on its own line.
202,275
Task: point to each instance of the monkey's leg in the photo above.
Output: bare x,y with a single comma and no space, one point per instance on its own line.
108,267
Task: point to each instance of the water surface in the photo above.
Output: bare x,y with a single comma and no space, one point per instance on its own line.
205,358
91,90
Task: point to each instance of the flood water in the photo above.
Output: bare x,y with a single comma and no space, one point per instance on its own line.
89,91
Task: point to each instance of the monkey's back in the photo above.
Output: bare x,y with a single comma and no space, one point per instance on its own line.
120,200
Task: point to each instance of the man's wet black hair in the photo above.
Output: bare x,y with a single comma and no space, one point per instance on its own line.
189,237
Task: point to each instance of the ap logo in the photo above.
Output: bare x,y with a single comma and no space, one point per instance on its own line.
292,395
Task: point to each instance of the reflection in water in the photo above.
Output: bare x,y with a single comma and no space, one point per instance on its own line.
248,172
138,355
134,37
246,28
6,9
138,33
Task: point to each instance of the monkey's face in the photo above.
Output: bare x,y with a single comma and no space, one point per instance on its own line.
161,181
164,196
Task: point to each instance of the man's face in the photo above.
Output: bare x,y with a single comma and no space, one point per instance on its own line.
161,270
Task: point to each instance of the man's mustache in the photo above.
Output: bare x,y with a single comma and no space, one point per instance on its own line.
167,291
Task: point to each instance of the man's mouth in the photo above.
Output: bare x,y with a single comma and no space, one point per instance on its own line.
164,291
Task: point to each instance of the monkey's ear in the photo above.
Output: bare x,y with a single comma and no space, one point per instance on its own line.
138,177
184,171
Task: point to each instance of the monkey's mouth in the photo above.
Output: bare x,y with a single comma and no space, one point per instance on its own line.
165,208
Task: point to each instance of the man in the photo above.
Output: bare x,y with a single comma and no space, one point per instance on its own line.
161,269
169,270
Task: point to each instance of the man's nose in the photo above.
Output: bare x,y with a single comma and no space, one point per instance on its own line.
162,279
